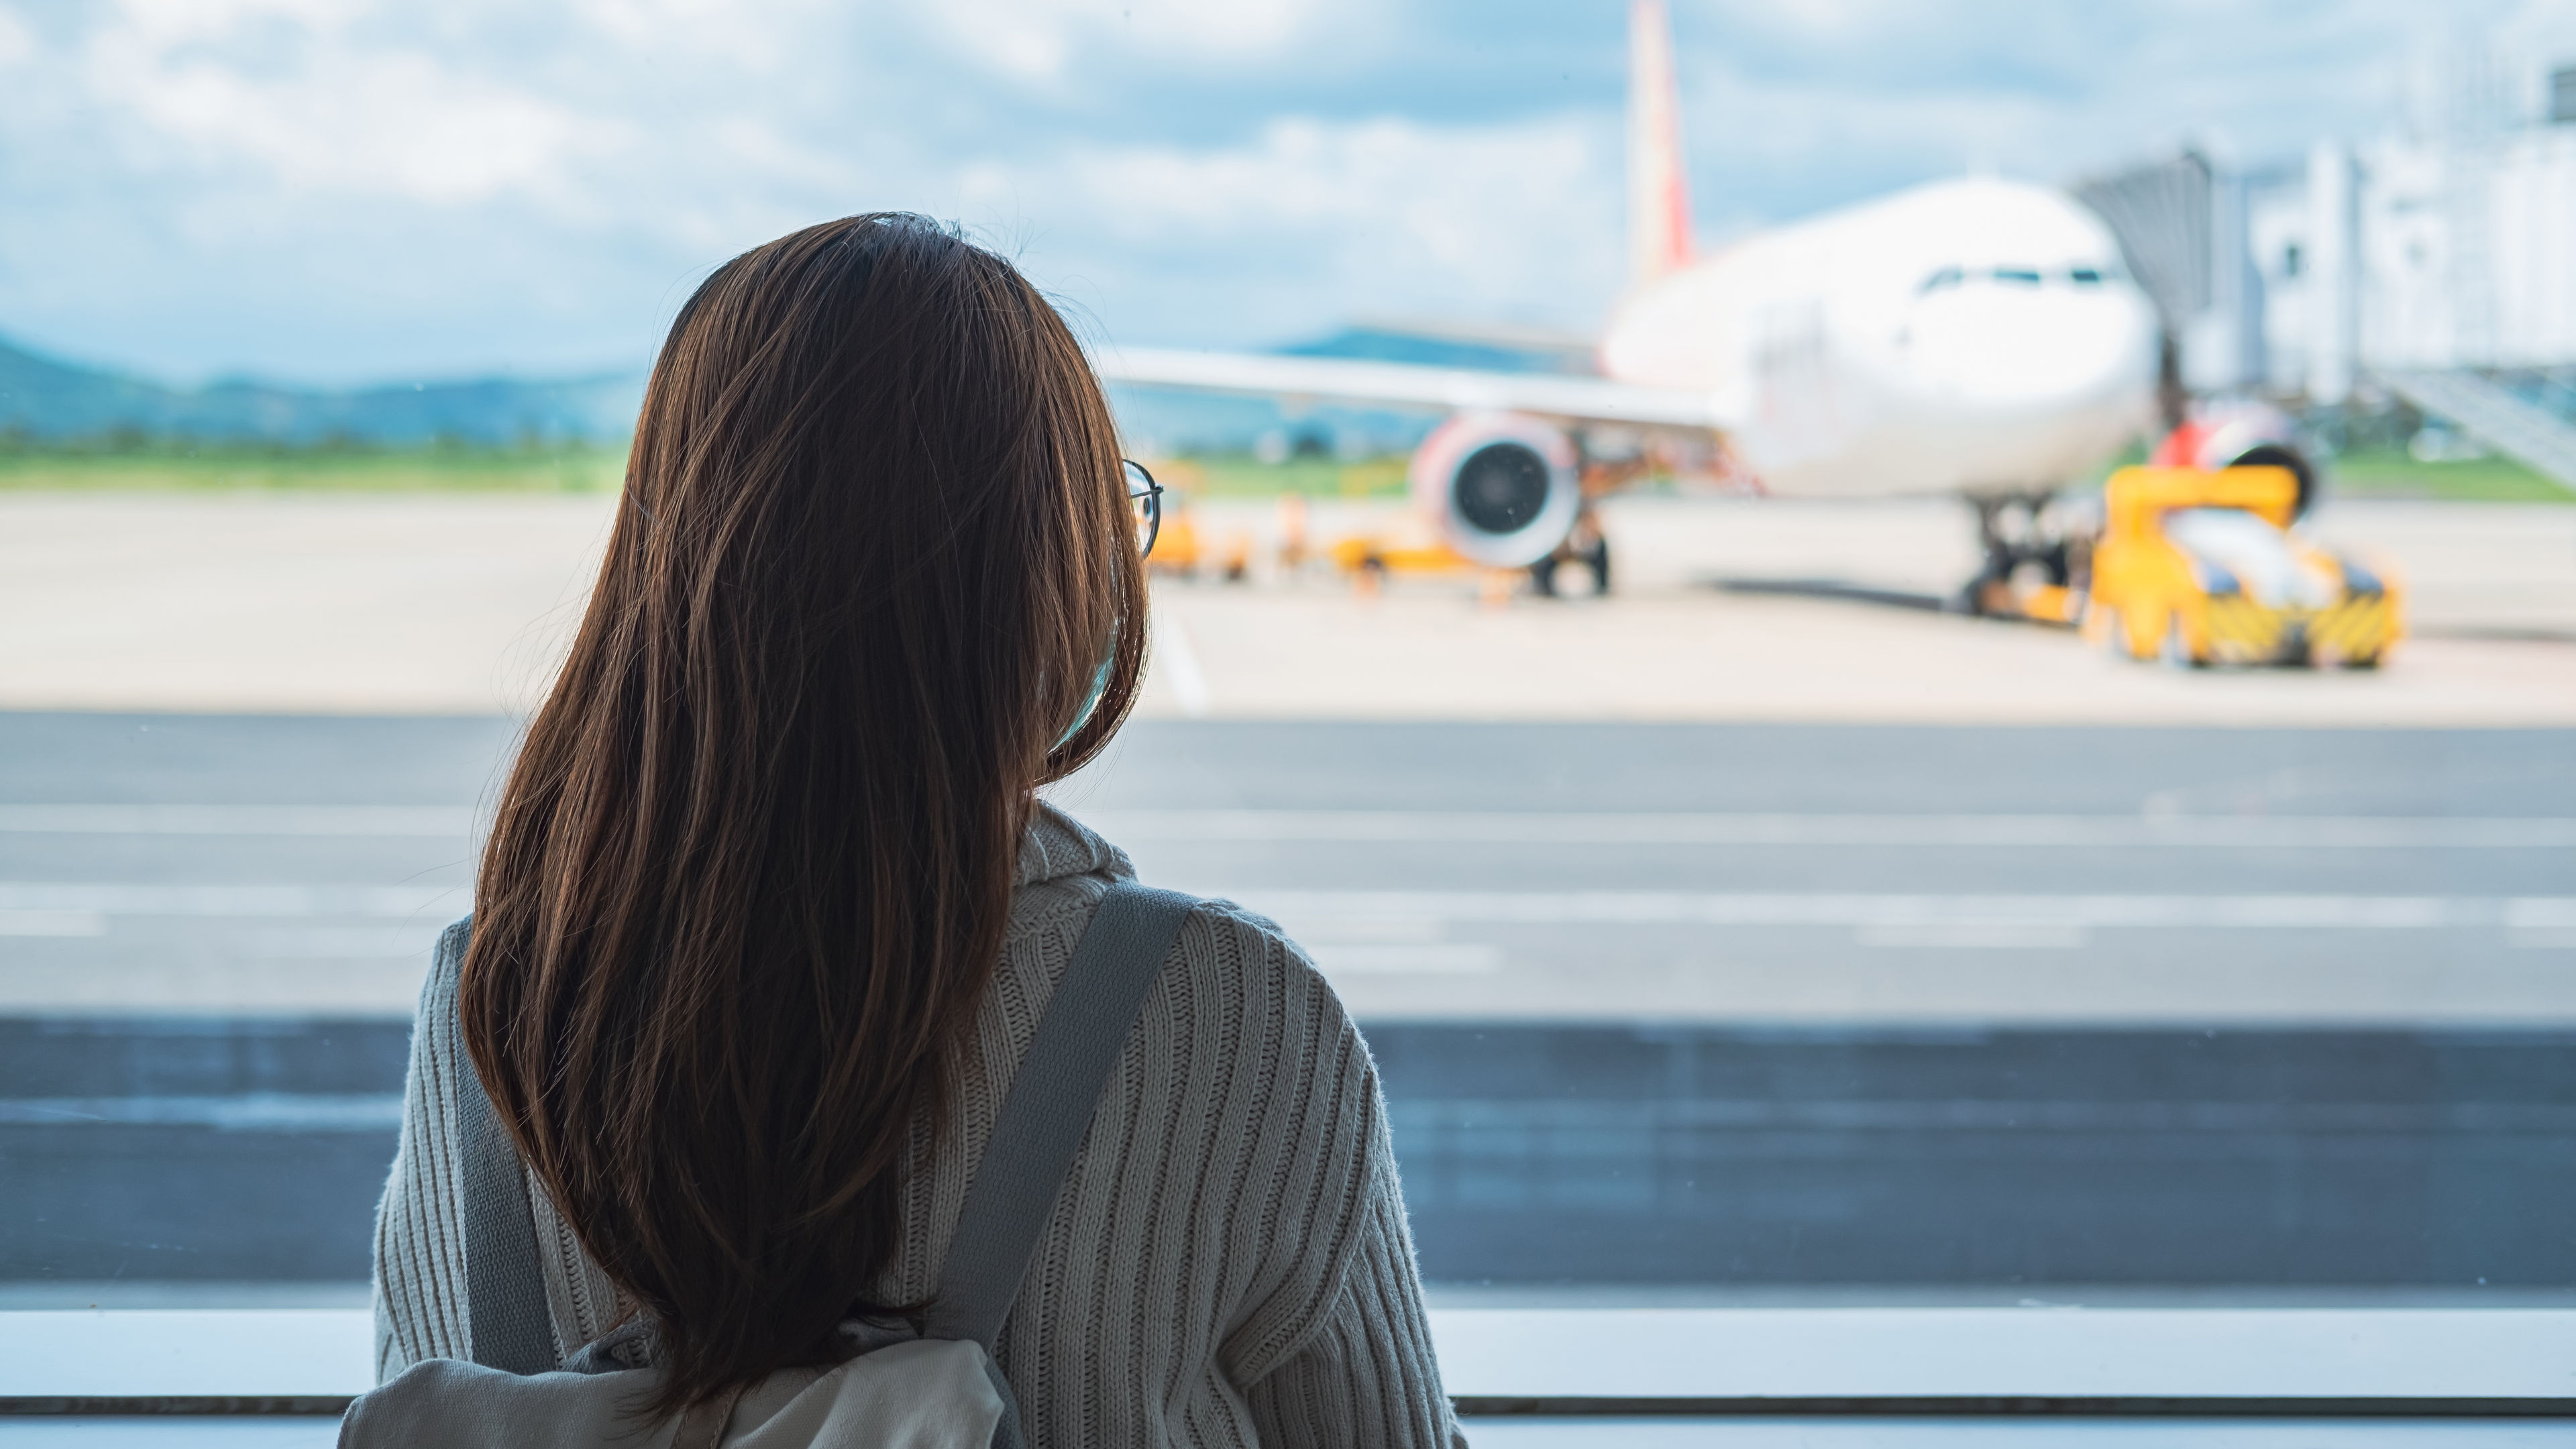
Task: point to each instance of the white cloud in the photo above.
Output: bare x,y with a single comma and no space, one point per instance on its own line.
1039,40
285,88
1381,215
752,36
357,188
1828,19
163,23
16,42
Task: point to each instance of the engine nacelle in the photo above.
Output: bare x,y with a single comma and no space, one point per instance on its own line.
1504,488
2240,435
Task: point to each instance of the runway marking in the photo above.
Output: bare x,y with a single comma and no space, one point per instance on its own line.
1973,936
386,821
1180,665
2542,924
1454,959
1375,931
409,941
2272,832
2028,913
52,923
1363,917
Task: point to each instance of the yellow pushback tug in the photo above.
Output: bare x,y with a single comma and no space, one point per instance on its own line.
2204,568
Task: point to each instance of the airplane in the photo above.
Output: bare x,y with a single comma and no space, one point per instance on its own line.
1977,336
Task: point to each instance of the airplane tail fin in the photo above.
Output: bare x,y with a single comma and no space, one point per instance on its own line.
1659,236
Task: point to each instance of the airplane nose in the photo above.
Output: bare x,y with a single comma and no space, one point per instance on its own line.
1999,348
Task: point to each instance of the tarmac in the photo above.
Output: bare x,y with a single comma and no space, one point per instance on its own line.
1703,936
1703,1006
463,605
1680,801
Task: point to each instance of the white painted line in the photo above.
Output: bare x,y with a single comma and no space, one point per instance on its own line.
1372,931
2542,913
1182,673
388,821
52,923
1345,914
2316,832
1973,936
412,939
1180,665
1461,959
2036,912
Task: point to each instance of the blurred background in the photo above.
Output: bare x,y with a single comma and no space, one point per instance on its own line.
1938,861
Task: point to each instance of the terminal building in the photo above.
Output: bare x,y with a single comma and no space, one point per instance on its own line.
2431,268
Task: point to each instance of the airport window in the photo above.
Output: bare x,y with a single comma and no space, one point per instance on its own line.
1874,881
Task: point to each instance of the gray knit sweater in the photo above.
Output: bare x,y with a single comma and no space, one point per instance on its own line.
1229,1264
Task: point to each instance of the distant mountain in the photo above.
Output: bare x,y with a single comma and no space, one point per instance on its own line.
53,401
46,400
1178,420
1439,344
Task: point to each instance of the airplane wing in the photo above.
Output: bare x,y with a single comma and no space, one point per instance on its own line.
1401,384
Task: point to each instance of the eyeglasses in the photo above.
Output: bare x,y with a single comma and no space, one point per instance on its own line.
1145,497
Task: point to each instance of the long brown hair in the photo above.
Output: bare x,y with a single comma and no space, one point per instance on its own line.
752,868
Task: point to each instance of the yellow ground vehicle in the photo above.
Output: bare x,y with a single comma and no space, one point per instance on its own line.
1181,549
2204,567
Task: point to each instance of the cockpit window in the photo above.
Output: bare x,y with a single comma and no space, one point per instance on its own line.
2081,274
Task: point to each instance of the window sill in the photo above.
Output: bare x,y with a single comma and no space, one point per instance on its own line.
1527,1366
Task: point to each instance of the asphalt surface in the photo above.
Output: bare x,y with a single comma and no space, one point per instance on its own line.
1709,1004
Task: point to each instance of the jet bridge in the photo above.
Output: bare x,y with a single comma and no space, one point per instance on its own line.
2505,420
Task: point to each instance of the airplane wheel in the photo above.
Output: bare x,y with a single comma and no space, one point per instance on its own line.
1595,561
1597,558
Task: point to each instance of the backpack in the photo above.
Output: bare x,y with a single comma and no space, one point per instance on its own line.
940,1390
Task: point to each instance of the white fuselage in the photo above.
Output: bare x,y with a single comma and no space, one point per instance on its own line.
1974,336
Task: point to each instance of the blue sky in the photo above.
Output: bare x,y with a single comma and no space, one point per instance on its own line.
345,191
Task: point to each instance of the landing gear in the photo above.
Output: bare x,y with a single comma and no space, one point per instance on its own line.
2038,559
1595,558
1585,545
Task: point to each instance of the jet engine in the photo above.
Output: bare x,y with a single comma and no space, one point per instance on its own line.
1504,488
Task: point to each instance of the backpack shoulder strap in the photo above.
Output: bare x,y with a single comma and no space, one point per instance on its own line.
1049,1108
507,1323
1043,1120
